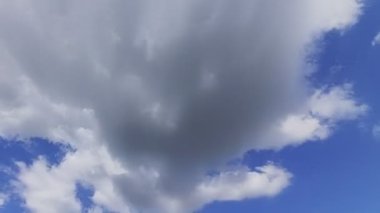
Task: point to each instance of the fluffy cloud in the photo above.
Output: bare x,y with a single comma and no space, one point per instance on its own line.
301,128
171,89
337,104
325,108
241,184
39,182
31,114
316,119
52,189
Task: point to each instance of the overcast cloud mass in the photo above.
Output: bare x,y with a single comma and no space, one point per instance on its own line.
153,94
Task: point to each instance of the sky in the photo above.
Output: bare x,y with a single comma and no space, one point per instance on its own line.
189,106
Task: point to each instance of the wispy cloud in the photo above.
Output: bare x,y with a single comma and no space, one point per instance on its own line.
3,199
376,131
376,40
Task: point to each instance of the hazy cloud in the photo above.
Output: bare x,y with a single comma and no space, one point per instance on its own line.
376,40
376,131
3,199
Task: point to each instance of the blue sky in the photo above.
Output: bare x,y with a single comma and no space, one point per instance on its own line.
90,145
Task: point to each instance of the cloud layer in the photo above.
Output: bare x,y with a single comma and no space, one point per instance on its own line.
168,90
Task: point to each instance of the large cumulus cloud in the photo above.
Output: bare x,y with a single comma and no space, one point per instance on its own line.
172,88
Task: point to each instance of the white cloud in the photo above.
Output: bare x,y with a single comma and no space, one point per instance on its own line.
301,128
47,192
325,108
316,120
170,88
268,181
48,189
376,40
53,189
336,104
26,112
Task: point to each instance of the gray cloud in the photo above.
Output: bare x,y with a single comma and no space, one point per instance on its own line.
178,86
